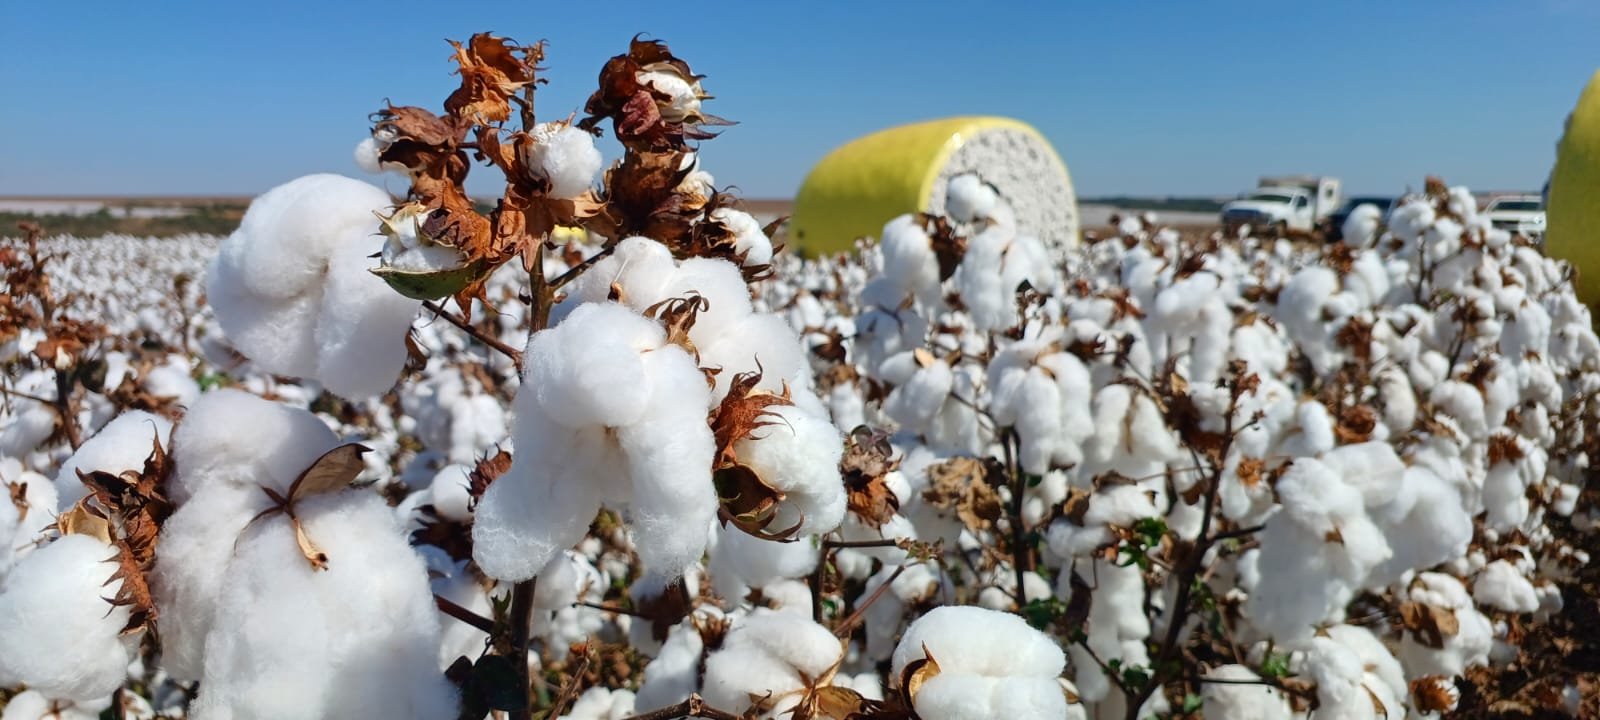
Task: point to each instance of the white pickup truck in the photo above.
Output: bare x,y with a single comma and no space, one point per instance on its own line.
1280,204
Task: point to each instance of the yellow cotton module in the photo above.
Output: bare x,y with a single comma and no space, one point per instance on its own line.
861,185
1574,203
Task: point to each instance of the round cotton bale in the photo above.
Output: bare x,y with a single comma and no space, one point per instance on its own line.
1573,208
861,185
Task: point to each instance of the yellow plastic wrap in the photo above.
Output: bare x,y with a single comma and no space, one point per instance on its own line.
1573,214
863,184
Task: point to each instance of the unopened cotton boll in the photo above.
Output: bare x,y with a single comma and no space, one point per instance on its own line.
566,155
58,633
1007,670
291,287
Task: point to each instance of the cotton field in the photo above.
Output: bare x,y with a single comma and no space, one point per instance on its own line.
608,451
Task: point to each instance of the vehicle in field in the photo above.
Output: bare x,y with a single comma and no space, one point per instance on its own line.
1521,214
1281,204
1333,225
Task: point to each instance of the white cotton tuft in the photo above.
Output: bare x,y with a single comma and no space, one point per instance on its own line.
291,287
768,652
749,238
58,633
567,157
123,444
970,199
1500,586
798,454
358,639
1008,669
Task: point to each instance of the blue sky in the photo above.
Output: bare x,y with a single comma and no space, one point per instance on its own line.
1139,97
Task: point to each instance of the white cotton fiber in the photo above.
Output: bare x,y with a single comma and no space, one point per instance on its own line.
291,287
909,264
608,413
237,439
969,198
358,639
565,155
1500,586
768,652
58,633
750,240
123,444
1008,669
33,705
798,454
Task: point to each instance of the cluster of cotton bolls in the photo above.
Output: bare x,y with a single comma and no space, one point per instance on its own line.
1410,440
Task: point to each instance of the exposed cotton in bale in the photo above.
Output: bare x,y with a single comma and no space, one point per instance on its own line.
852,191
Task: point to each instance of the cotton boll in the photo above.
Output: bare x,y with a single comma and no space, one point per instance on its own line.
58,633
366,156
33,705
768,653
1500,586
916,402
291,289
361,330
449,492
598,703
798,454
674,672
1243,701
740,561
24,520
1361,226
359,639
1468,646
1009,670
969,198
750,240
123,444
234,438
565,156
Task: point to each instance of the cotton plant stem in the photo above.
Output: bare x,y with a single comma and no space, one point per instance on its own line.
521,633
477,334
458,612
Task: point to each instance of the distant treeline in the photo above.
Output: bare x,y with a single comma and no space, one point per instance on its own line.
1171,204
210,219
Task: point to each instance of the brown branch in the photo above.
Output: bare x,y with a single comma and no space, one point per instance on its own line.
848,626
477,334
1021,559
839,544
464,615
573,272
695,706
1241,532
614,609
521,633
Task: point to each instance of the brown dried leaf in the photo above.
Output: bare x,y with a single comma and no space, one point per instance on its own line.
962,485
867,461
1356,425
313,554
80,520
332,472
916,673
1430,625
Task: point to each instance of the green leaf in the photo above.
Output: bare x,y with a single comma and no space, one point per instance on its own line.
1276,665
1192,703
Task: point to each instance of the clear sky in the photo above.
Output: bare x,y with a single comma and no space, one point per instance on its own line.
183,96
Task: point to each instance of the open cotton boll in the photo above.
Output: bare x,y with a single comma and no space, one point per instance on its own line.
1007,670
797,453
451,492
230,437
909,263
58,633
969,199
1468,646
766,653
1499,585
1242,699
291,287
674,673
358,639
740,561
565,155
1360,227
749,239
608,412
33,705
598,703
123,444
23,520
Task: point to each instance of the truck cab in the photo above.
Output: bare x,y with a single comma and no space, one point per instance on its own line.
1281,204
